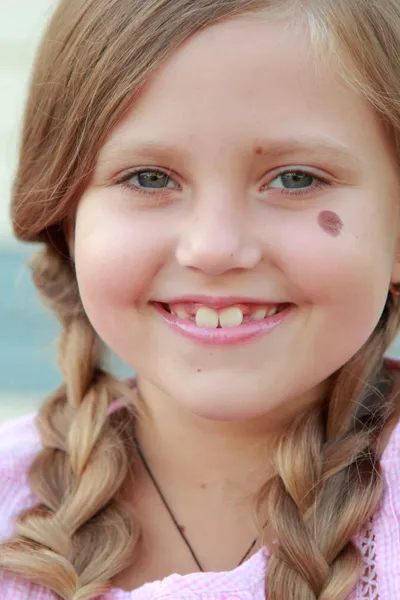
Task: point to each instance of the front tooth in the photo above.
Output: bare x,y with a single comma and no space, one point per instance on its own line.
231,317
272,311
206,317
259,315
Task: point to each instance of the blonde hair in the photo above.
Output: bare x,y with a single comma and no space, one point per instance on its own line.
93,61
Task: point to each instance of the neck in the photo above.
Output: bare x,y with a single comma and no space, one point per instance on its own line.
232,458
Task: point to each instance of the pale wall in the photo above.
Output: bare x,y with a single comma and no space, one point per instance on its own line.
21,23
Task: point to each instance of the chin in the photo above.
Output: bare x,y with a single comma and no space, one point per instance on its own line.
215,405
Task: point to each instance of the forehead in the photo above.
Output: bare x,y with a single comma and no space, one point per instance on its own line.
249,79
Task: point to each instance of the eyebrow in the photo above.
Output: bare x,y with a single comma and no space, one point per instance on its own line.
263,149
319,147
142,149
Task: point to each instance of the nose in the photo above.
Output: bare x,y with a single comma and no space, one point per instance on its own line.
216,240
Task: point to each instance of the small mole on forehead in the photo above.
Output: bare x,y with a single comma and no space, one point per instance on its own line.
330,222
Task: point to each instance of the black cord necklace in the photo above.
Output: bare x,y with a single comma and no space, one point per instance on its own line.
171,514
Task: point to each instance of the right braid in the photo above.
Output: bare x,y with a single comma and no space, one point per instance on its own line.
80,534
328,482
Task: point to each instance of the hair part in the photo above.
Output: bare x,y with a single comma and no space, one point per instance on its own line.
94,61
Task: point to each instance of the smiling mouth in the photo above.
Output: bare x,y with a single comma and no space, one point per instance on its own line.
236,315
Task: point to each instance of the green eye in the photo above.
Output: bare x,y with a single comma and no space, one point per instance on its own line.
148,181
293,180
152,179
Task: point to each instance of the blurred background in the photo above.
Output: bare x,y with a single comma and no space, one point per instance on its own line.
28,333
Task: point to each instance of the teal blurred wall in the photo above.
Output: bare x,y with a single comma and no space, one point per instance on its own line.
28,338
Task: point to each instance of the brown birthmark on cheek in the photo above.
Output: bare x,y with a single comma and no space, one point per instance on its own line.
330,222
258,150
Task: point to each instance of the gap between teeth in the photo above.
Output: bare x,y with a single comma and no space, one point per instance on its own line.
229,317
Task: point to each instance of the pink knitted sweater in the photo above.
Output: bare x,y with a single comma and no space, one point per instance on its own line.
379,542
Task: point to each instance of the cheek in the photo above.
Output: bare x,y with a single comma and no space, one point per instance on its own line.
116,257
343,280
351,267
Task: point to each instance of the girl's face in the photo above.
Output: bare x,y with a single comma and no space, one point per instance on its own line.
247,174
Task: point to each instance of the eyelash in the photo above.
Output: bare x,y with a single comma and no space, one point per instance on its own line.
123,182
319,182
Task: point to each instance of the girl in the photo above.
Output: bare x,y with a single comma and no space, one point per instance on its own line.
215,188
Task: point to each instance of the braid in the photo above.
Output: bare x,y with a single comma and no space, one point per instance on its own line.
328,481
80,534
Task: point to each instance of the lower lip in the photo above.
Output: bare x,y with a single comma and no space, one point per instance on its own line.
223,335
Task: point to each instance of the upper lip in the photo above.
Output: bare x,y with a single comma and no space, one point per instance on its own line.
216,301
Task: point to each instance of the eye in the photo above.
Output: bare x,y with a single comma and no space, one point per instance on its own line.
148,180
294,180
